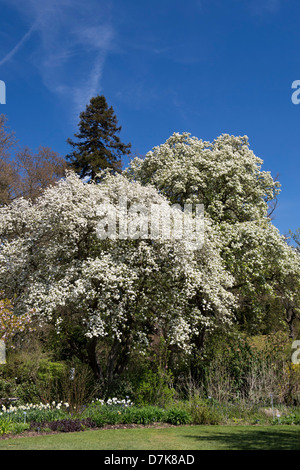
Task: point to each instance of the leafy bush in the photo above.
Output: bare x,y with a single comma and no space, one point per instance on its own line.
27,392
35,376
5,425
32,376
18,428
117,414
178,416
5,388
144,415
103,413
201,411
293,418
155,388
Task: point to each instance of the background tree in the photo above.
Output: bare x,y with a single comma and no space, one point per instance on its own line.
22,172
9,178
98,146
37,171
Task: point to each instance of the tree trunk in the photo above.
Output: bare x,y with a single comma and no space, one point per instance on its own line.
112,360
290,319
92,358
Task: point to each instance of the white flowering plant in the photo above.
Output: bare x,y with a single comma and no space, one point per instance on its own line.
37,412
118,292
227,178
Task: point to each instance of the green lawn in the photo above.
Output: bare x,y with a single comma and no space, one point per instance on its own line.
177,438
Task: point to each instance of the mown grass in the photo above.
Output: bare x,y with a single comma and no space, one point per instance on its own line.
173,438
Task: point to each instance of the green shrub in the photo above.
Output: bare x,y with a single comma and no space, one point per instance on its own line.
155,388
201,411
5,425
99,419
202,414
178,416
107,414
18,428
293,418
5,388
28,392
148,414
144,415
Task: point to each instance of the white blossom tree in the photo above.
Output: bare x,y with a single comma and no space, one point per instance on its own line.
224,175
116,292
266,271
227,178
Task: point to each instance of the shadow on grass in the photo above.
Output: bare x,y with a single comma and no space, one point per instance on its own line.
256,439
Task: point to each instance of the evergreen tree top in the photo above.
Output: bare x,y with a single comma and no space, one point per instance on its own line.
98,146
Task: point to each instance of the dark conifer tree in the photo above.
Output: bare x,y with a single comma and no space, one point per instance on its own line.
98,146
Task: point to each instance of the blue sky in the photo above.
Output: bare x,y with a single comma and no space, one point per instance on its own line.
201,66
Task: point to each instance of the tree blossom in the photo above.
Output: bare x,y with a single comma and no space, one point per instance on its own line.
224,175
121,291
227,178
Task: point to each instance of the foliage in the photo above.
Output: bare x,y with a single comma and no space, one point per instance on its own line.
292,418
99,413
134,414
5,425
32,375
200,410
147,414
155,388
37,171
35,377
18,427
177,416
248,369
266,271
59,417
295,236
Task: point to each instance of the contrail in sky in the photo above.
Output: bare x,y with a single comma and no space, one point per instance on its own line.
18,46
